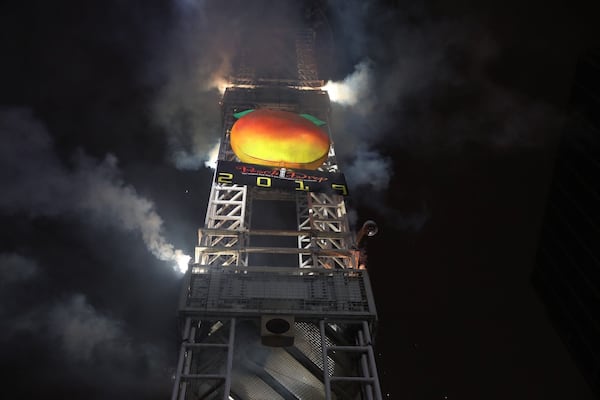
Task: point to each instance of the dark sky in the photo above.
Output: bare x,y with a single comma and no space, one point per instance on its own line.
107,112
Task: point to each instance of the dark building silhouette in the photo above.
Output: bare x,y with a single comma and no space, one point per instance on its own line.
567,274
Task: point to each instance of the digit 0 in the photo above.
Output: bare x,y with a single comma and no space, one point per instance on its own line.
263,181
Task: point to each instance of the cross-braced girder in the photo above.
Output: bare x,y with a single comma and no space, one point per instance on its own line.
233,291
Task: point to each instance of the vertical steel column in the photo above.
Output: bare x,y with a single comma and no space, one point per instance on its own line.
227,386
182,357
188,361
371,356
364,366
324,349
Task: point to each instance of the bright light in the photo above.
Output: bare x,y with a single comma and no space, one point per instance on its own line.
213,156
182,261
220,84
340,93
353,88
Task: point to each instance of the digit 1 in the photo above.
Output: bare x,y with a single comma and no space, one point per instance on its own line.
301,185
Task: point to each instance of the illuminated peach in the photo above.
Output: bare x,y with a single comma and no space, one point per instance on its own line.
280,139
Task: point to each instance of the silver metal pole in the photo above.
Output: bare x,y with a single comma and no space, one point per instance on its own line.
229,360
182,351
365,368
188,362
326,380
372,360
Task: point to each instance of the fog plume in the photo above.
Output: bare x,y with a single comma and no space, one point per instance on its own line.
38,183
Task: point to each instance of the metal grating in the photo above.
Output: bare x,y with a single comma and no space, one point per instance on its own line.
255,290
309,342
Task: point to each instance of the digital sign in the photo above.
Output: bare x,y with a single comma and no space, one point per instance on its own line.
279,138
230,172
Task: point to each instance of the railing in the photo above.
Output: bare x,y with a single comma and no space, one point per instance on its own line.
252,291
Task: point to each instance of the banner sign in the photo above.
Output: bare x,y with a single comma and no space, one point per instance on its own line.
231,172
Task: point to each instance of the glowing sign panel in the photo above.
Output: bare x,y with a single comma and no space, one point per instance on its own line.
279,139
229,172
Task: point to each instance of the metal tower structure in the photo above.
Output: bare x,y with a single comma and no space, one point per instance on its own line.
277,302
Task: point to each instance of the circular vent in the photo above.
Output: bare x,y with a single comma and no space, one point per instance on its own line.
277,326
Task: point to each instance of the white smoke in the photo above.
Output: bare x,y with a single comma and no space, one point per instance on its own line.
369,168
422,95
213,156
82,331
185,160
354,96
36,183
434,95
108,198
16,268
87,338
194,63
354,89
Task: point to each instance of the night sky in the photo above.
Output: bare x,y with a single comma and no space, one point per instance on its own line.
108,110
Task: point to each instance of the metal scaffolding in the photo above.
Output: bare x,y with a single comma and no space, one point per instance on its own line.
283,309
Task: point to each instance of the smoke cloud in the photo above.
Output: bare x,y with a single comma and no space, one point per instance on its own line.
15,268
369,168
81,330
426,82
89,344
38,184
195,61
87,336
424,85
192,63
355,89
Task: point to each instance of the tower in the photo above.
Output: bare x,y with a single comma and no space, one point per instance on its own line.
277,302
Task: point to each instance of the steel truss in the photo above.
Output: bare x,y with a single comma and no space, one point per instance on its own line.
325,296
322,365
